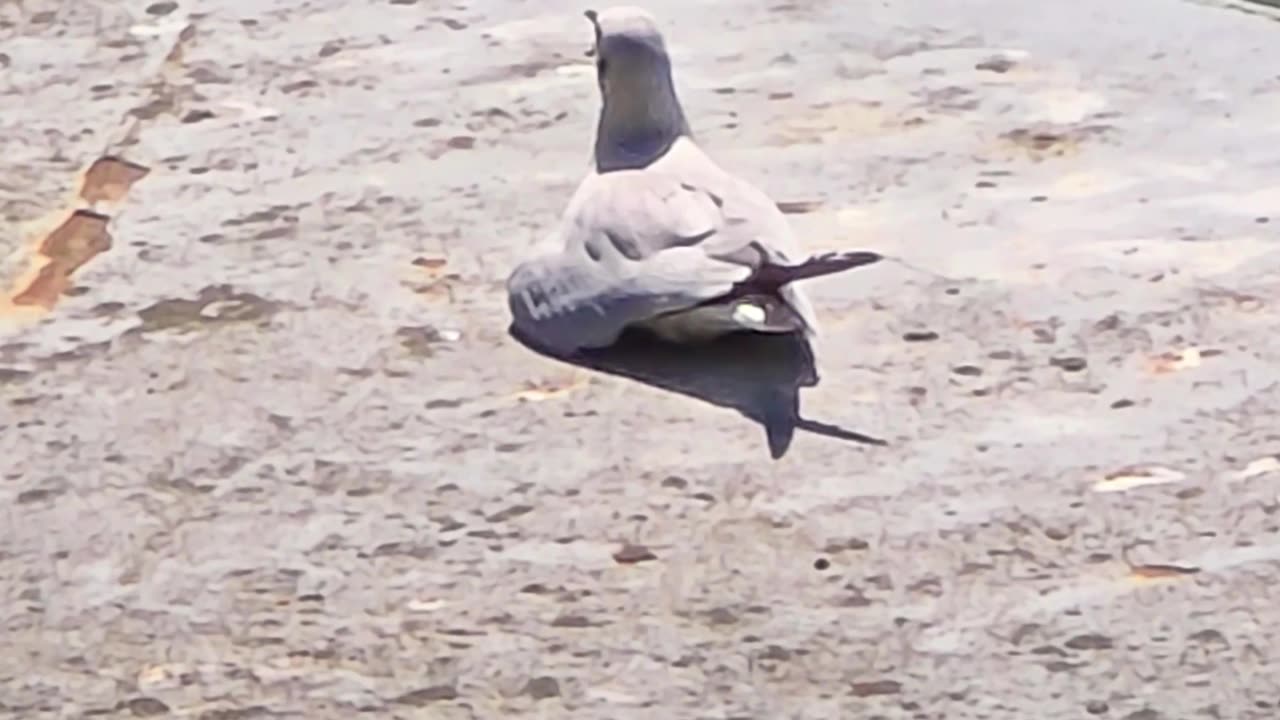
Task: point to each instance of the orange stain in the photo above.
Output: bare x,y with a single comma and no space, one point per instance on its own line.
81,236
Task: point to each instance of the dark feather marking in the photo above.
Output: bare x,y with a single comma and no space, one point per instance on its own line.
771,276
692,240
716,199
768,277
624,246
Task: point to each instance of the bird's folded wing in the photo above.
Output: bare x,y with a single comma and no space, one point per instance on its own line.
567,302
747,215
637,245
642,243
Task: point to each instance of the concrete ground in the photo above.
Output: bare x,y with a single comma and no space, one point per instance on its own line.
267,451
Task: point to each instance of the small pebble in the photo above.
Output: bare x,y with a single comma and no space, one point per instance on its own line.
147,707
428,695
1069,364
1090,641
542,688
161,9
996,65
722,616
875,687
632,554
797,207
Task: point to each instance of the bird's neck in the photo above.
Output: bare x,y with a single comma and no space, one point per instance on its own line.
640,119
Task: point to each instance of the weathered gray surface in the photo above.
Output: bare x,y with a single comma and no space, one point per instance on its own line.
319,503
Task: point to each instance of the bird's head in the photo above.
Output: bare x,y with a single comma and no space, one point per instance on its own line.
627,40
640,117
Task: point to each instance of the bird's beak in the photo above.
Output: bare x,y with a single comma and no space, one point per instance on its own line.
595,23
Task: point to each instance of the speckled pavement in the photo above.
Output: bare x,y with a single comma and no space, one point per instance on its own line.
267,451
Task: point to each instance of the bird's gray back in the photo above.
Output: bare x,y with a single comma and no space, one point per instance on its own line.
683,199
638,244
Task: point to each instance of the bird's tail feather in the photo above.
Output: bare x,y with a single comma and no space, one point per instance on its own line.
814,266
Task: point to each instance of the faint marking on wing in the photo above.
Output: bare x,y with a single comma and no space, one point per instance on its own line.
752,255
716,199
626,246
637,216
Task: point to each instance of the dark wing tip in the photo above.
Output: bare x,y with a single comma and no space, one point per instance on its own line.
816,266
852,258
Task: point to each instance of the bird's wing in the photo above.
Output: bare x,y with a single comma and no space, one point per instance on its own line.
637,244
642,243
567,303
747,214
754,229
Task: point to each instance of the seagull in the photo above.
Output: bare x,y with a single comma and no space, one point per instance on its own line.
658,236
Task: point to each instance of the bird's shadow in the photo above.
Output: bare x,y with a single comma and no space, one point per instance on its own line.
758,375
